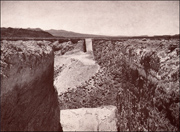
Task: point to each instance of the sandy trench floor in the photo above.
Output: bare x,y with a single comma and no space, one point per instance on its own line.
76,69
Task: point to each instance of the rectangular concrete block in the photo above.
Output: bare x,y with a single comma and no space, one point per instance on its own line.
88,43
89,119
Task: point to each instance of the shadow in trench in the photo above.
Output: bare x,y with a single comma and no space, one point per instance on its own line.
60,128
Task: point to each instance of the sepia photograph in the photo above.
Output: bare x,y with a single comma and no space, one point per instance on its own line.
89,66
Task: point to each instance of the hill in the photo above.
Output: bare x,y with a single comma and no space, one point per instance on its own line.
69,34
35,29
19,32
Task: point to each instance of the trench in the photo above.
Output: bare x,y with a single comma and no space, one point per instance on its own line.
137,81
130,82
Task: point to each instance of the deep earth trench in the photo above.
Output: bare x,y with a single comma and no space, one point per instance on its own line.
124,85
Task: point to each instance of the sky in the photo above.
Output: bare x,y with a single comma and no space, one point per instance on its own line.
126,18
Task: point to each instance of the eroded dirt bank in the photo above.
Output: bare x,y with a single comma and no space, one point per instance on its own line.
139,77
149,77
28,98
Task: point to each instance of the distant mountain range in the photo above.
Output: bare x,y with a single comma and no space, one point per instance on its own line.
37,32
52,33
19,32
69,34
35,29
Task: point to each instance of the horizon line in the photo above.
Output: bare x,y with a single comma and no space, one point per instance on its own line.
96,34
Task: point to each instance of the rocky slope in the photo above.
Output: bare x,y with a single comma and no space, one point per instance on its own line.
139,77
28,98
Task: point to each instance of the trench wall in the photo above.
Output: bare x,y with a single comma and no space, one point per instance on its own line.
28,98
146,76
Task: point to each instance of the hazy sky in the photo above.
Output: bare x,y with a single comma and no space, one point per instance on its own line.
94,17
